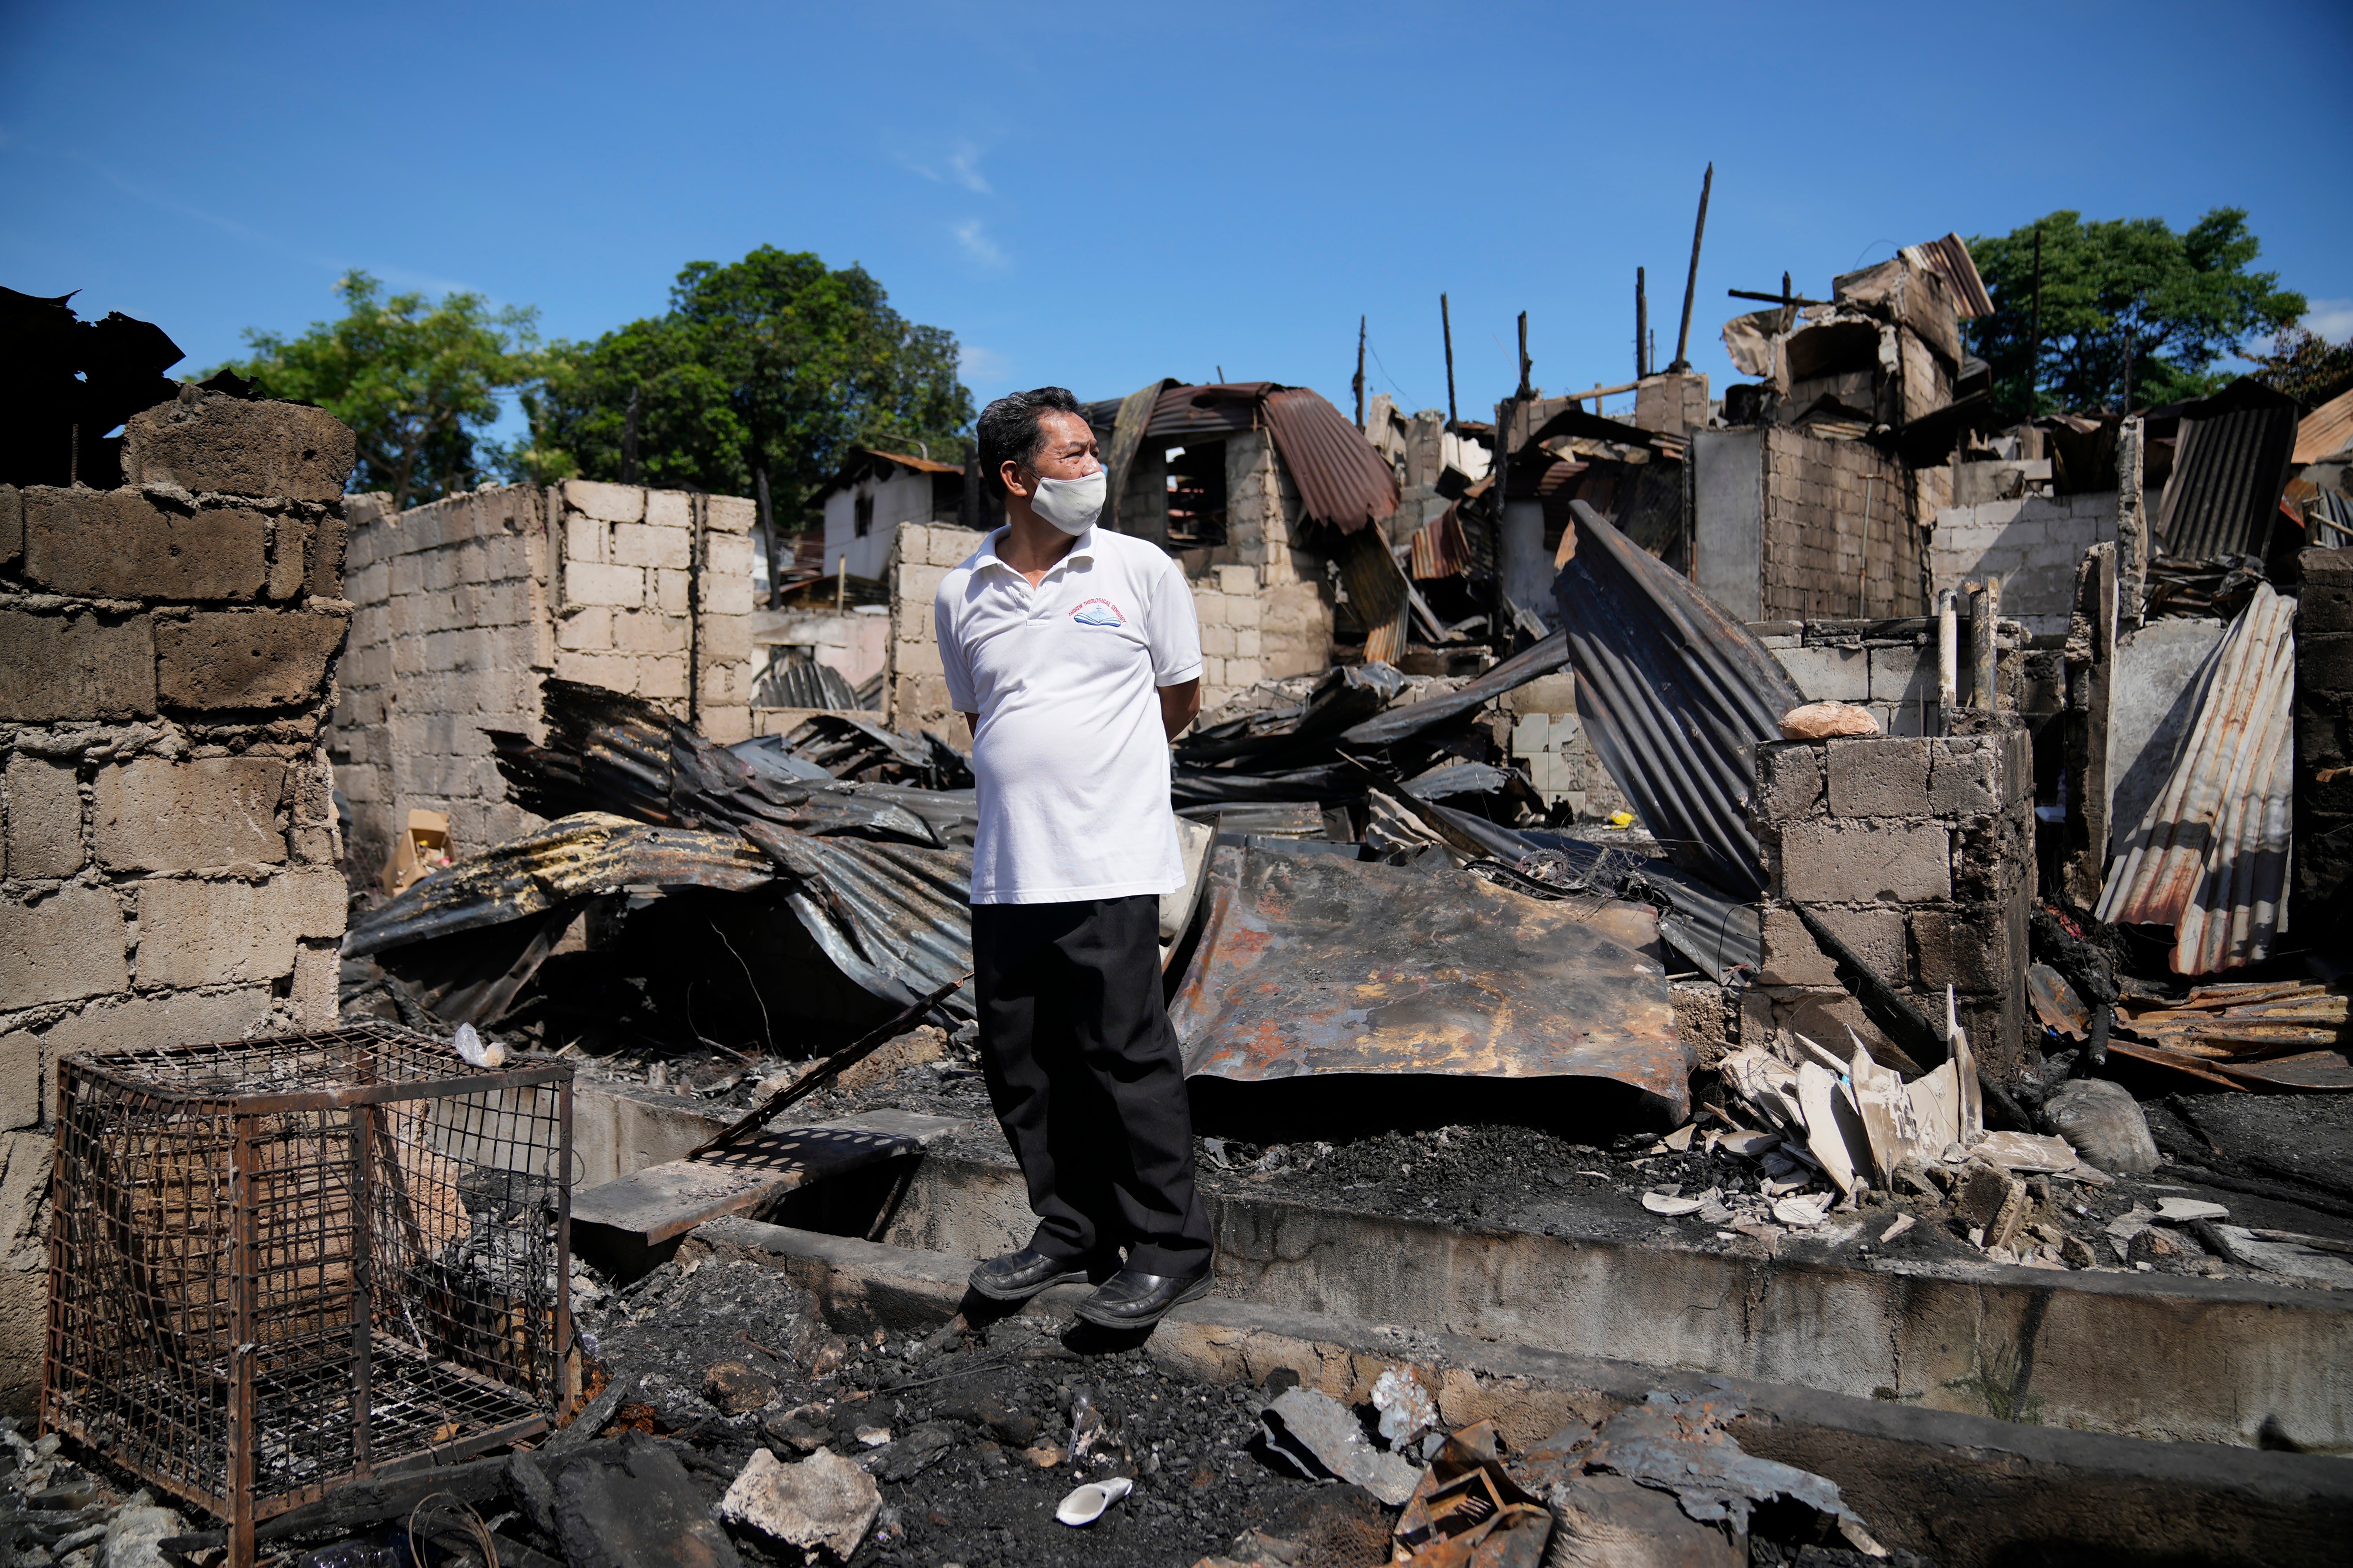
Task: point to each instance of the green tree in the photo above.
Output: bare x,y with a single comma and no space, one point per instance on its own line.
416,381
2123,296
2307,367
771,368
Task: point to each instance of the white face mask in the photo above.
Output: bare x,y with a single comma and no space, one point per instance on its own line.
1070,505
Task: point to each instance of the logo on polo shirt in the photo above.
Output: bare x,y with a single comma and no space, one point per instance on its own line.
1098,613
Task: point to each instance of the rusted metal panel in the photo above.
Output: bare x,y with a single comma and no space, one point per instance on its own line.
2325,431
1342,481
1317,965
1949,258
2211,855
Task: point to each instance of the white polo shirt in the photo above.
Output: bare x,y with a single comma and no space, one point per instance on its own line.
1072,758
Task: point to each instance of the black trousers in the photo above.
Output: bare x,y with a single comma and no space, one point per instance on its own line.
1084,1075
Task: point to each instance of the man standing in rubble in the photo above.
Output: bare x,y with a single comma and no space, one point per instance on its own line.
1073,654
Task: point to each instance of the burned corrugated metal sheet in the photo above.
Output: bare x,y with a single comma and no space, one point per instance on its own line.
1130,419
1949,258
1207,410
2325,431
1319,964
2229,464
1342,481
1376,593
2211,855
1399,723
1676,695
1306,728
794,679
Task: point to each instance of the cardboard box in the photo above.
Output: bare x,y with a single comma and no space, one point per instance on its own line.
418,852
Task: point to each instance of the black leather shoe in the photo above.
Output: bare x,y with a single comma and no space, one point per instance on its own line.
1134,1299
1018,1276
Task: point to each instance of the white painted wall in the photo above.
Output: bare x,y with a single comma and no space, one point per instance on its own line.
904,497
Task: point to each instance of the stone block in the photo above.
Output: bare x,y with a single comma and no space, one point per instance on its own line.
643,544
44,820
193,932
158,1022
62,947
1878,776
329,545
1789,781
158,816
218,659
209,442
614,503
670,509
79,667
1792,957
589,583
117,544
1867,861
290,557
1829,674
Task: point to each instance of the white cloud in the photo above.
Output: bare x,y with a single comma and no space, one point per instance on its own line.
964,164
984,365
973,237
2331,319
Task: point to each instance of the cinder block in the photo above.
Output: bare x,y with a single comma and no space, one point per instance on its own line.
79,667
731,514
642,544
261,658
730,594
158,1022
917,584
727,637
669,590
725,555
61,947
1789,781
1217,641
1871,860
1210,608
1902,673
316,984
953,546
614,503
670,509
645,631
583,540
1246,642
1965,779
1968,948
613,671
919,659
209,442
12,524
1238,579
329,545
587,582
661,676
1829,674
22,1101
194,932
1878,776
1792,957
43,819
118,544
153,815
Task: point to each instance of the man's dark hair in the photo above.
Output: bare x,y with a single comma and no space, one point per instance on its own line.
1008,431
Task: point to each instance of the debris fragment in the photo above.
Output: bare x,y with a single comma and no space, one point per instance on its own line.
1320,1437
1821,720
824,1500
1086,1504
1466,1511
1678,1444
1407,1410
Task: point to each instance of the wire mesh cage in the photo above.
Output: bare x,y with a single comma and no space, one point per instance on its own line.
278,1264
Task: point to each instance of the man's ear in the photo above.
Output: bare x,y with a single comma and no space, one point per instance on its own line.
1009,472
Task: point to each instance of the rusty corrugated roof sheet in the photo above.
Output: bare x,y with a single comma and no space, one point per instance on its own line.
1342,481
1676,695
2325,431
2230,463
1949,258
1321,964
2211,855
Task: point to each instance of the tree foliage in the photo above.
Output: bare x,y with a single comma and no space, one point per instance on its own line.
774,363
2123,296
416,381
2307,367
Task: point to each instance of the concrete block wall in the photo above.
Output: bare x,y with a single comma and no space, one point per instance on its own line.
464,604
2033,543
1895,676
2322,895
1919,854
1838,534
168,867
915,687
1549,743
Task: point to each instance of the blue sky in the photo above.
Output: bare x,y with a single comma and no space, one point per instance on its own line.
1099,195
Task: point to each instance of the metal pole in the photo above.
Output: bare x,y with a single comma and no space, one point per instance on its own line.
1948,662
1446,325
2034,330
1359,382
1526,365
1641,328
1699,231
